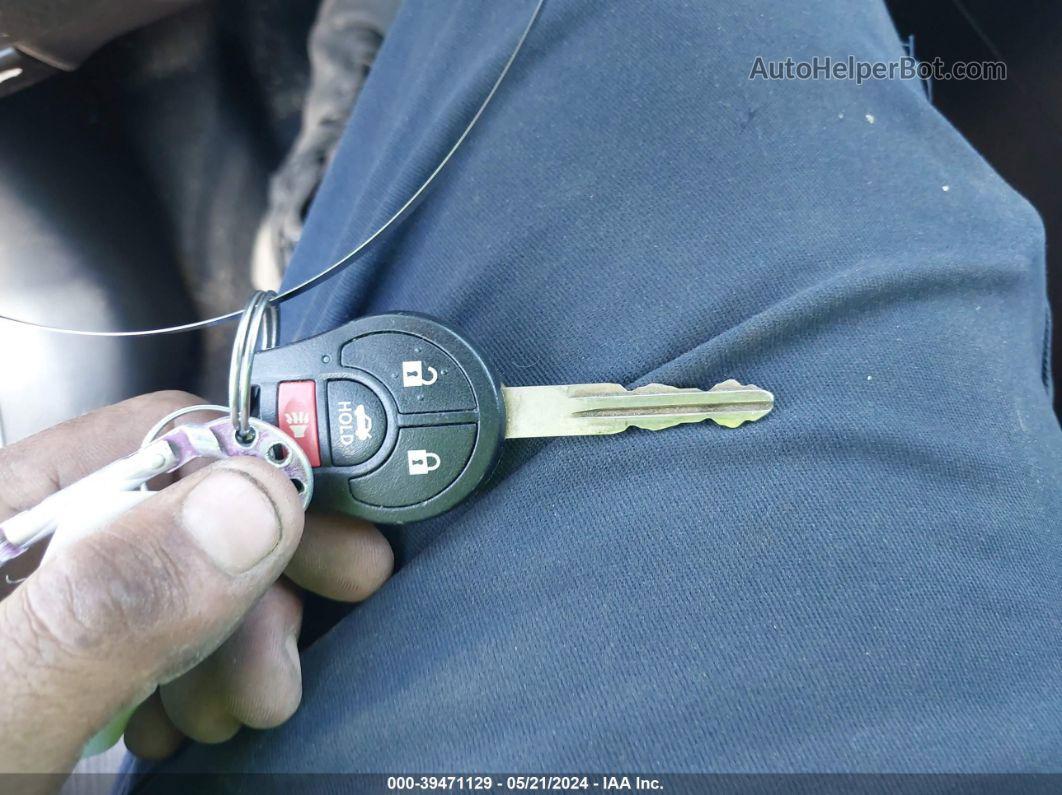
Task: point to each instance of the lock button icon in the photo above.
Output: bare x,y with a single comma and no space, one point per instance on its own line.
421,462
425,461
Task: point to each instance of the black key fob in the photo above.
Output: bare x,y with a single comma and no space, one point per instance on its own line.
400,416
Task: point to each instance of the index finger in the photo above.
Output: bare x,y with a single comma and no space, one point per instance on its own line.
46,462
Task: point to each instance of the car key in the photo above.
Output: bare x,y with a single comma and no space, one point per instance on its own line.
402,418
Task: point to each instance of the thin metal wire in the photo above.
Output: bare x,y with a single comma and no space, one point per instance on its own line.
339,265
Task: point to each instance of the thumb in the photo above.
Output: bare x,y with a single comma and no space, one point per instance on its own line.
135,604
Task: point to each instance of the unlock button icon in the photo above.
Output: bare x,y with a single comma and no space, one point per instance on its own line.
413,374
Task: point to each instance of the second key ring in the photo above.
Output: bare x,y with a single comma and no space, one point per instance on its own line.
259,321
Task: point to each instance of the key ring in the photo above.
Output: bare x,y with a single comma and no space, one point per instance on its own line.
156,429
267,442
260,321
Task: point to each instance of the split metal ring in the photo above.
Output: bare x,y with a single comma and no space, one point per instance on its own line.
260,321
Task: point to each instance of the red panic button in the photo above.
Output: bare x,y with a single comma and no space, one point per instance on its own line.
297,416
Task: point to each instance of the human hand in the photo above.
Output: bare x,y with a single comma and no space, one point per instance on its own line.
178,601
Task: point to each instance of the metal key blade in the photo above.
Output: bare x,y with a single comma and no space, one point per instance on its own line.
596,409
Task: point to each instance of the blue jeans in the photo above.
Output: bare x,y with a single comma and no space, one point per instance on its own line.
868,579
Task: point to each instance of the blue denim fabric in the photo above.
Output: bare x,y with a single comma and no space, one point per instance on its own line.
866,580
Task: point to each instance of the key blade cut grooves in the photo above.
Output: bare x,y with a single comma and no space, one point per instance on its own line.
596,409
660,399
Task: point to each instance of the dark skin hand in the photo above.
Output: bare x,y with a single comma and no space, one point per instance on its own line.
190,600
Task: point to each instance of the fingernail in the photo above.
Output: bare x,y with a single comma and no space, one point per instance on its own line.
232,520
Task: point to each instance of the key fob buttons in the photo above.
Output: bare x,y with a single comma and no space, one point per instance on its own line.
425,461
419,375
357,422
409,417
297,416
